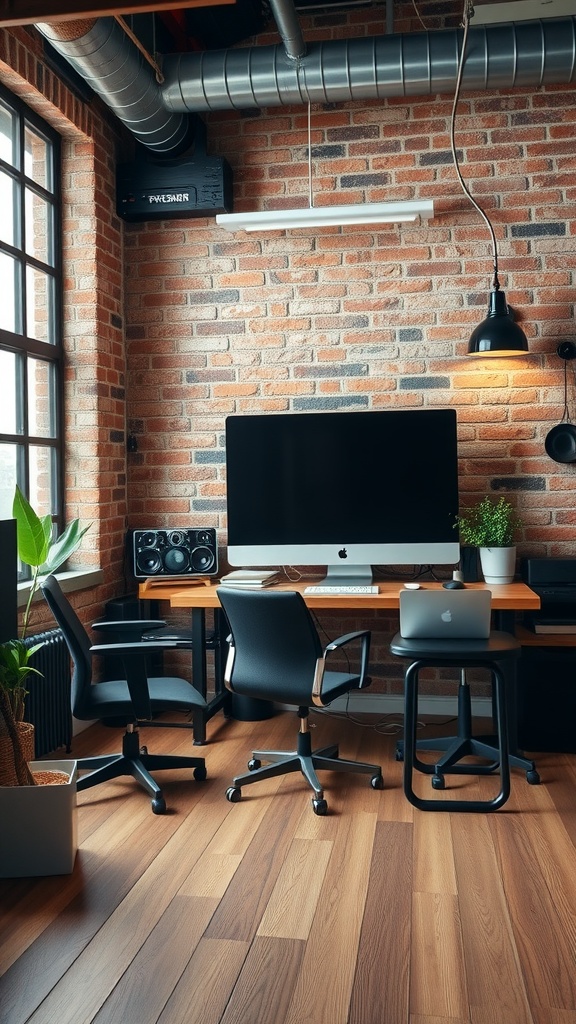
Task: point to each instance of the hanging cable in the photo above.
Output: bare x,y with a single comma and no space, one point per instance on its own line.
126,28
468,12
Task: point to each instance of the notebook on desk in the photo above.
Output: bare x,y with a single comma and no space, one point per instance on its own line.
445,614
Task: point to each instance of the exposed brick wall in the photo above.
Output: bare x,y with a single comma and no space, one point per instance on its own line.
359,318
364,318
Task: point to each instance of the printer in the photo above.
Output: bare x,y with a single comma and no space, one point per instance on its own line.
554,580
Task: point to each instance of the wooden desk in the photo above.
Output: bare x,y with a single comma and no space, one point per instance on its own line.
199,596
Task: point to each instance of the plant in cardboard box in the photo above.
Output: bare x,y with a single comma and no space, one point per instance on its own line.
44,555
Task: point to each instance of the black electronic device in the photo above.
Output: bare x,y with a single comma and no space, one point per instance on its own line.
554,580
176,551
344,490
453,585
198,186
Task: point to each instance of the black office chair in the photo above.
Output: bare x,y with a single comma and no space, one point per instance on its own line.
275,654
133,697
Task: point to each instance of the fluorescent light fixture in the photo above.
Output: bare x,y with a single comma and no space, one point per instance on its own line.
326,216
521,10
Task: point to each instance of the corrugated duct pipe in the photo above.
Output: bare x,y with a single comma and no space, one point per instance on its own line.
530,53
101,52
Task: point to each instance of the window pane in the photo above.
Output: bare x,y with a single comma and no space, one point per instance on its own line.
39,231
41,398
8,209
42,495
9,320
36,158
7,135
39,306
8,403
8,454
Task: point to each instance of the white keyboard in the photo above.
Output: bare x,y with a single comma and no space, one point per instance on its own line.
344,589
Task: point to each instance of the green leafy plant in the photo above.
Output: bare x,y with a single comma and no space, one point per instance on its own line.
492,523
44,555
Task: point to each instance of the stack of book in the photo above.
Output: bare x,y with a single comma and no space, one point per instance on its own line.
250,579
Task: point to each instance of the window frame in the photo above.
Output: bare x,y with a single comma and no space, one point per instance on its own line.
22,345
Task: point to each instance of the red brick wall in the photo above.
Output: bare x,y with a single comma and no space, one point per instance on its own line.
363,318
92,316
211,323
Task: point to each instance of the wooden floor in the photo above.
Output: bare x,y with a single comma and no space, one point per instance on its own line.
262,912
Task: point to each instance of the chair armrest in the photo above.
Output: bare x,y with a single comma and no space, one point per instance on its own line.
364,635
129,627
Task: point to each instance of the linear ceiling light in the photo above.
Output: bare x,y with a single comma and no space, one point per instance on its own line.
326,216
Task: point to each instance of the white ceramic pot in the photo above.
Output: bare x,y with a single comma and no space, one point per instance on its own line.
498,564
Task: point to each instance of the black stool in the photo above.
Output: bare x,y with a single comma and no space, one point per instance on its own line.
464,654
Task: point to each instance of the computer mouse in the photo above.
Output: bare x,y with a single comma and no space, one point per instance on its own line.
453,585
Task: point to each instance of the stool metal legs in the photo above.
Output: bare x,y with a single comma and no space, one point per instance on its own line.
462,745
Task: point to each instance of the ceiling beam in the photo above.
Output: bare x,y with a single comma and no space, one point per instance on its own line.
29,12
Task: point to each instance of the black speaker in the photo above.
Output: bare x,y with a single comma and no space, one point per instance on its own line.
175,552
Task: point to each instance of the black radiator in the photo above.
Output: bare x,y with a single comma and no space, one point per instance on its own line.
48,704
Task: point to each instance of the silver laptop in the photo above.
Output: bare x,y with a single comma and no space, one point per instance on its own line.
445,614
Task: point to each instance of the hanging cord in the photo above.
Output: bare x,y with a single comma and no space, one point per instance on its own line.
126,28
310,196
468,12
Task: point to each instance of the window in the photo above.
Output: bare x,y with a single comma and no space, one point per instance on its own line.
30,311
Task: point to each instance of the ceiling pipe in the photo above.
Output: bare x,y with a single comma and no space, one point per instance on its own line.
101,53
286,18
503,56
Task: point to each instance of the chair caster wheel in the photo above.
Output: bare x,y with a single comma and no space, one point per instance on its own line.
377,782
233,794
532,777
320,806
200,773
254,764
438,782
399,755
159,805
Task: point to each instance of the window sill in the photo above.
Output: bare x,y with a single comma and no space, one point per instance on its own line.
73,579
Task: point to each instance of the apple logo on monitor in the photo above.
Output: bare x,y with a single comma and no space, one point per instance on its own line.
342,553
446,616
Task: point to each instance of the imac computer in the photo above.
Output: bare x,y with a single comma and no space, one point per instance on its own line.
345,490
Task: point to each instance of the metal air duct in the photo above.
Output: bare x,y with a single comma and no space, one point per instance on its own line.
101,52
531,54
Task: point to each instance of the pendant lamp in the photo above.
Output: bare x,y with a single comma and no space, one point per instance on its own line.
498,334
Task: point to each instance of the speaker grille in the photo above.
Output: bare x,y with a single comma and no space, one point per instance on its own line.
175,552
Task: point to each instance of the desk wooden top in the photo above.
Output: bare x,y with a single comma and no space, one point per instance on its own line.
505,597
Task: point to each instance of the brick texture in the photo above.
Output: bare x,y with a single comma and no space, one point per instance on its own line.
173,325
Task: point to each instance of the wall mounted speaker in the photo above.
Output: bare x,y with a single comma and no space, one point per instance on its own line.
174,552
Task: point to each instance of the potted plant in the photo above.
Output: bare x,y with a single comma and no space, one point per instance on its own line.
40,821
491,525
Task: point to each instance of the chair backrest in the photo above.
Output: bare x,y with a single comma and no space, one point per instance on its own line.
276,644
78,643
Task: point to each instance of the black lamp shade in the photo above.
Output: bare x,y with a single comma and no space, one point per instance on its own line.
498,334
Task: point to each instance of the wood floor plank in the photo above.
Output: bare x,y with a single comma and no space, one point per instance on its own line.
547,954
146,986
494,974
323,997
204,989
437,975
294,898
263,991
380,991
244,902
433,860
